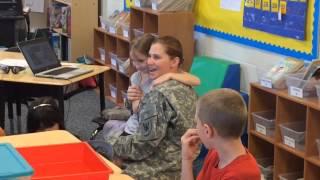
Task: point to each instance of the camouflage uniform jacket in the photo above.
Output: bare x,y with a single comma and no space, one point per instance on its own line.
154,152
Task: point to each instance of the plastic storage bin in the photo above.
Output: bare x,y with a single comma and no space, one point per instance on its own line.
123,65
65,161
104,23
293,134
142,3
125,30
113,60
266,167
172,5
291,176
124,95
264,122
102,52
113,91
138,32
13,166
300,88
276,82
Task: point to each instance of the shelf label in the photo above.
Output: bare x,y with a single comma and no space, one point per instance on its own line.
125,33
137,3
297,92
112,30
289,141
113,93
154,6
265,82
121,69
114,62
103,57
261,129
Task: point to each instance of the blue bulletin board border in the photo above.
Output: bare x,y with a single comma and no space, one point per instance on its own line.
125,6
270,47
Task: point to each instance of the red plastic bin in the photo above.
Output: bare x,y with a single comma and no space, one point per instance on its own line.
65,162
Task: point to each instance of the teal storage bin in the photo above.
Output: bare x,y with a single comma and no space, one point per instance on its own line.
12,165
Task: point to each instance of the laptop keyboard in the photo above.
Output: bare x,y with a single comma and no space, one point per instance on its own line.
60,71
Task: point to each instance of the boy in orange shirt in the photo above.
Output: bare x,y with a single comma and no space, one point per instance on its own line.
221,117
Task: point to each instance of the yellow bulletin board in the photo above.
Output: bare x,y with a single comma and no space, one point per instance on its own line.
127,4
225,23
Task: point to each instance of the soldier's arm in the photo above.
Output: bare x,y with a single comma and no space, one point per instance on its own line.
153,122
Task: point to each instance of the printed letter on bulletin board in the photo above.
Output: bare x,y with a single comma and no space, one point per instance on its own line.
224,19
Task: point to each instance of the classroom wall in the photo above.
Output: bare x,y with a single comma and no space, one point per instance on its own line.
39,20
250,58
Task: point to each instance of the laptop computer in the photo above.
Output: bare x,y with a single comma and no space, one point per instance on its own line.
43,61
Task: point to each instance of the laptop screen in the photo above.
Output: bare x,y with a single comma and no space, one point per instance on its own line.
39,55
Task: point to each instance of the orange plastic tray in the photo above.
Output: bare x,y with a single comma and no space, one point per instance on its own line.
65,162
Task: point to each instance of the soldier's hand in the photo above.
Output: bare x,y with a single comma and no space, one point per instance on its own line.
134,93
190,142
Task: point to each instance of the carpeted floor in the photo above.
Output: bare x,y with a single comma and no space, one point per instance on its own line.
80,109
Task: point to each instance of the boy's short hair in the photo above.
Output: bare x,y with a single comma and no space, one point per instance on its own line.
225,110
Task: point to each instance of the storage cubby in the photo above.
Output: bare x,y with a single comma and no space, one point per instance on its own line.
287,163
84,17
142,20
313,134
296,118
312,172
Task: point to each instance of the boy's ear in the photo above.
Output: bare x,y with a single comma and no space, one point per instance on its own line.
175,62
209,130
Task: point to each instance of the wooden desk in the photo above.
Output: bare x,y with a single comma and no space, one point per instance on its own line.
55,137
25,84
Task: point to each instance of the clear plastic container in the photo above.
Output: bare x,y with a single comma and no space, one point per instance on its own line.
318,146
113,60
102,52
142,3
301,88
291,176
266,81
293,134
124,95
264,122
104,23
13,166
172,5
113,91
125,30
138,32
266,167
123,65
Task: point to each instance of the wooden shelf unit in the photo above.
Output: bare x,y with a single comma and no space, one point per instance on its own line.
177,24
288,109
84,17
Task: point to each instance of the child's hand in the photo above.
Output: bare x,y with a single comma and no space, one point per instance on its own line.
190,145
134,93
1,132
163,78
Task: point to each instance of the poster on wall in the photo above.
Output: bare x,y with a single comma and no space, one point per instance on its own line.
288,27
35,5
